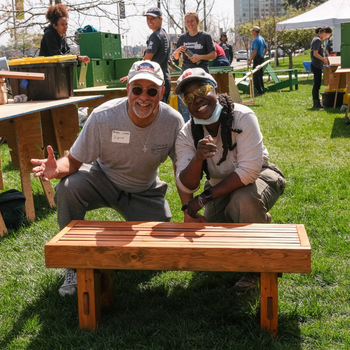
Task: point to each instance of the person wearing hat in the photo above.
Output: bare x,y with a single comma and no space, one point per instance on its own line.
195,46
259,49
223,140
158,46
226,47
114,161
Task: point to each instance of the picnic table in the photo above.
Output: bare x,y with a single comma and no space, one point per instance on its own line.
29,127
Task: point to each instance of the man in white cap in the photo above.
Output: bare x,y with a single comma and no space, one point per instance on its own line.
259,49
158,46
114,161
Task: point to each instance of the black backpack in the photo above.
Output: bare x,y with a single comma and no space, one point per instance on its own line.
12,208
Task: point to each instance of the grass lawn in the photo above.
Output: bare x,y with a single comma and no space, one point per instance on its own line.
199,310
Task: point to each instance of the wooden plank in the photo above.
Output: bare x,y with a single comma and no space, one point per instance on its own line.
269,302
22,75
3,228
66,126
14,110
48,130
49,194
180,258
304,239
89,301
29,142
106,288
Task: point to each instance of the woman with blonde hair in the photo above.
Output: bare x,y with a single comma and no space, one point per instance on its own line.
196,46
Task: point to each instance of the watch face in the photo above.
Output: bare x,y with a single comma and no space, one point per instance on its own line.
208,195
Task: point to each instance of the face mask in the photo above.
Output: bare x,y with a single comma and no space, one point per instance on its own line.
213,119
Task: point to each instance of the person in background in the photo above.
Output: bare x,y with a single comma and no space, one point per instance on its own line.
199,43
221,59
158,46
114,161
226,47
224,141
259,49
54,40
318,61
329,47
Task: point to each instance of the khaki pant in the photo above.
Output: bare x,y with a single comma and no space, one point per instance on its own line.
248,204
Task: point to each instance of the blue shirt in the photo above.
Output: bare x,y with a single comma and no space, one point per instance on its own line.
260,45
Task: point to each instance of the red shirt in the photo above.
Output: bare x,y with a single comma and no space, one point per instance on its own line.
219,50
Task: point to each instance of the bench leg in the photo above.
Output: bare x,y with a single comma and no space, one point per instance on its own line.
89,298
269,302
107,288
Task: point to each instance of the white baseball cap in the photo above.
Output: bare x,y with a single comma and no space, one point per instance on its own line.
193,74
147,70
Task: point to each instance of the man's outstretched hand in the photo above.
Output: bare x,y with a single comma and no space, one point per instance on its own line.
46,168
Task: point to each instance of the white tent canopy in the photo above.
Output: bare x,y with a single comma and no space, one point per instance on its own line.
331,13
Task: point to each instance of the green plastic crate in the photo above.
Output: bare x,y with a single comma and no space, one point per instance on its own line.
123,65
116,46
345,56
100,72
96,45
345,34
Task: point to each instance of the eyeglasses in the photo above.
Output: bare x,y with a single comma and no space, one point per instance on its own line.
200,92
150,92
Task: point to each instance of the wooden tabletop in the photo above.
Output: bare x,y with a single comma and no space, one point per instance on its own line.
12,110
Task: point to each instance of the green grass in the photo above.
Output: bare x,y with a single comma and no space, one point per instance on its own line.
199,310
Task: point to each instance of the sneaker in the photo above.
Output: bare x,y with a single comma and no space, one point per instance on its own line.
247,282
268,218
69,287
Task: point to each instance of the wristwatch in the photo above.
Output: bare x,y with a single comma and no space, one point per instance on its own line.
208,195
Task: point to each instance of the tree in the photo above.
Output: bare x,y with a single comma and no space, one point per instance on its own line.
25,41
287,40
82,11
302,4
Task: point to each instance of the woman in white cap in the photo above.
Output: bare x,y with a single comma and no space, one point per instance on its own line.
223,140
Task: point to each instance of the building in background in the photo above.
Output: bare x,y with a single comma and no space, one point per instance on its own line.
251,10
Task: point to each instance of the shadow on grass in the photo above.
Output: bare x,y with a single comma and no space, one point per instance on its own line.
340,128
205,314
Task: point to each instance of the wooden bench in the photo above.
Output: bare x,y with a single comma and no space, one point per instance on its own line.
91,246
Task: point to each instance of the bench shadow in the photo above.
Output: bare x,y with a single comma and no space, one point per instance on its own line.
340,128
203,314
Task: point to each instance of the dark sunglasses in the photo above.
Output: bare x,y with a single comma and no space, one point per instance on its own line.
150,92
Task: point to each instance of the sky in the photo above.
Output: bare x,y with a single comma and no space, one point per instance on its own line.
137,29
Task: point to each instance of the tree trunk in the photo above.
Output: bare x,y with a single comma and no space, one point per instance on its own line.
290,55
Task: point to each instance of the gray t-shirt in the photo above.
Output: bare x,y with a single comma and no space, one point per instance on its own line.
202,43
317,44
110,138
159,44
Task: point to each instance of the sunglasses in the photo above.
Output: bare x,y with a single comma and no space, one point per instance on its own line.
150,92
200,92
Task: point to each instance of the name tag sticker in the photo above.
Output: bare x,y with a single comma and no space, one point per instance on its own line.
121,136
